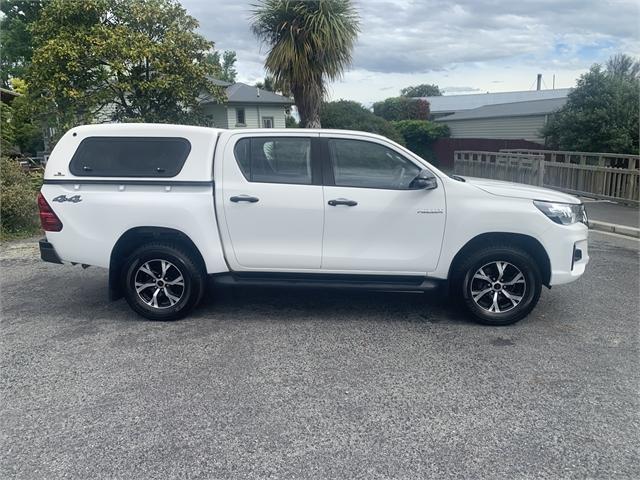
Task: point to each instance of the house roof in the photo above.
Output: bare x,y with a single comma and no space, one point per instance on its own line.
242,93
515,109
456,103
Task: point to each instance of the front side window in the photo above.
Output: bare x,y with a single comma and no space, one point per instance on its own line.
130,157
275,160
359,163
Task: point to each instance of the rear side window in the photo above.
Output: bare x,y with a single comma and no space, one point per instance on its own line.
130,156
275,160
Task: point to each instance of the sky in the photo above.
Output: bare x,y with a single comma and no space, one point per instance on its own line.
469,46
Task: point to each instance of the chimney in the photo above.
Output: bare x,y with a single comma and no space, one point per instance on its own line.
539,81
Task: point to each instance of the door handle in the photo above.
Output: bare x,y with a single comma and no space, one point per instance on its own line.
244,198
343,201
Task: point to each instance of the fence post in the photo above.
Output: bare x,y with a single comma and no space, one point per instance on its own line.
541,171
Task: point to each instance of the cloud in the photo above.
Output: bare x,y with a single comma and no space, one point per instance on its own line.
405,42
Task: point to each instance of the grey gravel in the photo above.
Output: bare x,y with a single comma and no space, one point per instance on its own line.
315,384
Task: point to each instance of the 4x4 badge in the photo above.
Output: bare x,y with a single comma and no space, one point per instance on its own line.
64,198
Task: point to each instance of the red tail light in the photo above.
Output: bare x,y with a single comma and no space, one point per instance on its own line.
48,218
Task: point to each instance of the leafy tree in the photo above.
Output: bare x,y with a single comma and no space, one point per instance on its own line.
15,36
422,90
290,122
226,65
119,60
402,108
310,43
419,135
601,113
624,66
7,129
349,115
27,127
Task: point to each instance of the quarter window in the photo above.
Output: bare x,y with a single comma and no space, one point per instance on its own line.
358,163
130,157
275,160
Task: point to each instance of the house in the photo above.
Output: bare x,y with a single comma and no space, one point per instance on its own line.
449,104
517,120
247,107
493,121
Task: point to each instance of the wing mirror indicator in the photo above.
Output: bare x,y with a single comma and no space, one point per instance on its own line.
424,181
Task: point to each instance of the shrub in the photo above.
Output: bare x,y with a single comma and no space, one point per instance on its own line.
402,108
419,135
348,115
18,191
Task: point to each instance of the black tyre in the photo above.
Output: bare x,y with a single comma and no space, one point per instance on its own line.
499,284
162,281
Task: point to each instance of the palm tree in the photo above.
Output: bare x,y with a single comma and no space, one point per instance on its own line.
310,43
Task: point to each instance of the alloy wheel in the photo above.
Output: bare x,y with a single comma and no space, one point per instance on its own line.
159,283
498,287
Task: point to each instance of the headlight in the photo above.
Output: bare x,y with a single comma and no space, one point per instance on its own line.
563,213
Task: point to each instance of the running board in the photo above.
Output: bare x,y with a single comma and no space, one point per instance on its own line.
385,283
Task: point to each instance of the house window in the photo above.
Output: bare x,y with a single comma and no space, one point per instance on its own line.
240,120
267,122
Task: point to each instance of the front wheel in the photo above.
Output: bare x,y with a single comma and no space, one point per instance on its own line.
162,281
500,285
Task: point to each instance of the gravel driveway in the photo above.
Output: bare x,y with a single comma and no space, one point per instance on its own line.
314,384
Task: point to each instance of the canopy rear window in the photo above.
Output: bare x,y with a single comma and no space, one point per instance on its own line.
130,157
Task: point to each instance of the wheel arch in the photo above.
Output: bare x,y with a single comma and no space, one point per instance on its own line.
528,243
138,236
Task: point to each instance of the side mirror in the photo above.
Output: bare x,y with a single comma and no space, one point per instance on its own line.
424,181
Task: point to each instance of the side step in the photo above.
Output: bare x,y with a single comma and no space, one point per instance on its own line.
384,283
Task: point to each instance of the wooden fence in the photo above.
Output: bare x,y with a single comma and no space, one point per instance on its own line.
511,167
598,175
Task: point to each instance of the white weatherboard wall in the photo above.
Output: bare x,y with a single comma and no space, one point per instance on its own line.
525,127
253,115
218,114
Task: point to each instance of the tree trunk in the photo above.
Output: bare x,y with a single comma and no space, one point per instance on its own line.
308,100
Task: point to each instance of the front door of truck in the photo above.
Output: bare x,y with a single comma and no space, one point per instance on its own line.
374,218
272,200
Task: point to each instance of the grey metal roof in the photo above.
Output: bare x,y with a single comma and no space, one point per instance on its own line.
515,109
456,103
243,93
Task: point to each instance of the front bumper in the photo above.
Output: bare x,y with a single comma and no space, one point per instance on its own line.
48,253
562,244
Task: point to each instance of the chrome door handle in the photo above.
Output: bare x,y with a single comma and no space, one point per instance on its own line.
343,201
244,198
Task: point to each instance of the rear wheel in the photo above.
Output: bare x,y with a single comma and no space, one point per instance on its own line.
162,281
499,285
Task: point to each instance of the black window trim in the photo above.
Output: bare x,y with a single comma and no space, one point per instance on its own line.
316,167
82,173
328,171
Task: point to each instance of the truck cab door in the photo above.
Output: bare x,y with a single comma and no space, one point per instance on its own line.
271,197
377,218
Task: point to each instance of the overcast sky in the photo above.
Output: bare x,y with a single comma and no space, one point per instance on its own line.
463,46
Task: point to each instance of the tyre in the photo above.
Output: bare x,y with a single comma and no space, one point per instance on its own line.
500,285
162,281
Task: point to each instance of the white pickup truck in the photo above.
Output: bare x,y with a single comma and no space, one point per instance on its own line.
165,207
